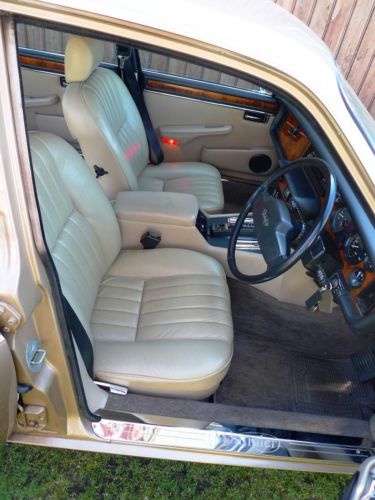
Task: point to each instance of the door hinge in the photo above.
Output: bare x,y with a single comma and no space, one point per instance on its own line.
32,417
10,318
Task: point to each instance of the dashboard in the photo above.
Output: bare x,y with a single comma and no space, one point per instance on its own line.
339,259
357,269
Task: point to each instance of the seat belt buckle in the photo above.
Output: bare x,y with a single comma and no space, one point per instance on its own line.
150,240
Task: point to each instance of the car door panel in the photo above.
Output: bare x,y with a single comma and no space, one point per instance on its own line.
230,149
8,391
223,126
43,94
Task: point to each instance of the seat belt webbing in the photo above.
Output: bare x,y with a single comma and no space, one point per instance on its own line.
126,68
80,336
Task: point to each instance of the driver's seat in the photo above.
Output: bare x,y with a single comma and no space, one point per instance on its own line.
159,320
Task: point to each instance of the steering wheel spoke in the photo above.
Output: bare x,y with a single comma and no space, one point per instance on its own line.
274,225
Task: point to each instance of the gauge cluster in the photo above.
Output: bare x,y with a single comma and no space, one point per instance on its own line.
350,243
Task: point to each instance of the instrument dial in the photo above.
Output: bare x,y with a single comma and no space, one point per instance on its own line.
369,266
356,278
353,248
340,219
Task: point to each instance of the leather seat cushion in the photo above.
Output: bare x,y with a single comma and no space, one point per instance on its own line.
162,328
199,179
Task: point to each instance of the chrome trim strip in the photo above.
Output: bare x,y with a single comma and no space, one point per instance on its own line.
26,51
218,439
247,245
95,444
48,72
233,219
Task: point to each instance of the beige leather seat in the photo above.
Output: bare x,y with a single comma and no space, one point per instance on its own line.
101,114
159,320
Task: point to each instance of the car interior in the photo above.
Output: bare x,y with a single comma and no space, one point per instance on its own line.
211,253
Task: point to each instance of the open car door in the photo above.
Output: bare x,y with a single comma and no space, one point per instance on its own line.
362,485
8,390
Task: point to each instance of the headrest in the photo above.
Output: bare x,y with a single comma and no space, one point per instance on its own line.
82,56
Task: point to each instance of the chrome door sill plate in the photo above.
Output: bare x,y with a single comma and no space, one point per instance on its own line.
216,439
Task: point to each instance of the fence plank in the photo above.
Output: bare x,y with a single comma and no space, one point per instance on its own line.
364,57
286,4
339,23
21,35
35,37
304,10
176,67
228,80
372,107
53,41
211,75
354,34
367,91
322,16
159,62
194,71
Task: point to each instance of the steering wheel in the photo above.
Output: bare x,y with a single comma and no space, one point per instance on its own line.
274,225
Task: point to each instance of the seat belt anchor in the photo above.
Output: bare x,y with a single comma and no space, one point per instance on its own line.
122,57
99,171
121,60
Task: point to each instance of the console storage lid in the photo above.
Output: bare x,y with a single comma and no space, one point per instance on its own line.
177,209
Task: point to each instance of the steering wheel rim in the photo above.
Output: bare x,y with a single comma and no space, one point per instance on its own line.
318,225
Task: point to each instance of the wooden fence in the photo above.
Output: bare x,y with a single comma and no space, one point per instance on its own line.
346,26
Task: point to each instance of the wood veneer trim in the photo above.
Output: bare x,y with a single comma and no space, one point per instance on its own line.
212,95
41,63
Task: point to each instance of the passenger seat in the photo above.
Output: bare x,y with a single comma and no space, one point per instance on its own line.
159,321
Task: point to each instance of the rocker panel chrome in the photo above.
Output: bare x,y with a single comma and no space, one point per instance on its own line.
217,439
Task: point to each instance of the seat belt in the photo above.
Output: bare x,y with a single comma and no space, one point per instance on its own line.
127,62
80,336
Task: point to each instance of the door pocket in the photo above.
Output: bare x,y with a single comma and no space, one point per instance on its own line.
241,162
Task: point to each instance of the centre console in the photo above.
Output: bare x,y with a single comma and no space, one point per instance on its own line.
176,218
177,221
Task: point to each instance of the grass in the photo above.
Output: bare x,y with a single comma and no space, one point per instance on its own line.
33,472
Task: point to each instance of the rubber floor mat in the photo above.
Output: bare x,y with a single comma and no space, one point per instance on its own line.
288,359
330,387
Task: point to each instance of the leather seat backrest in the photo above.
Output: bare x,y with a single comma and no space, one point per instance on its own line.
80,226
101,115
